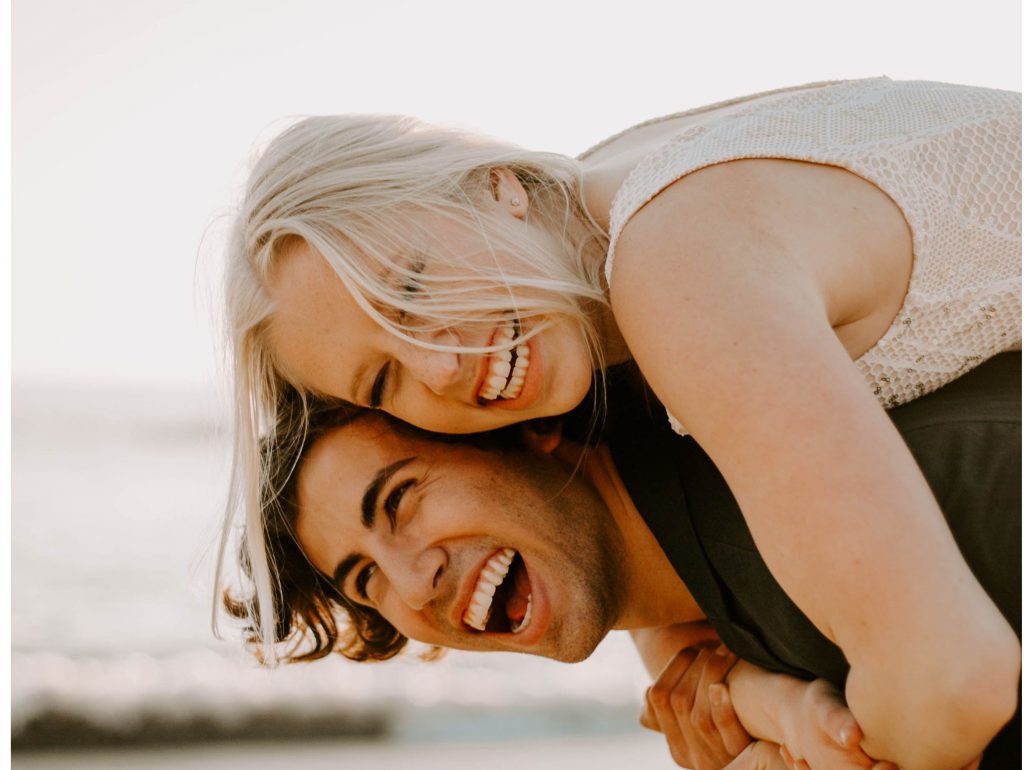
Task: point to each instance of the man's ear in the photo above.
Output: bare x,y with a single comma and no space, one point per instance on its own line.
509,192
542,435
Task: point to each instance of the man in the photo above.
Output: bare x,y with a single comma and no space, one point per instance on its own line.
489,546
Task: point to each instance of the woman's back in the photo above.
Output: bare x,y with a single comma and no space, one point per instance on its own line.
947,157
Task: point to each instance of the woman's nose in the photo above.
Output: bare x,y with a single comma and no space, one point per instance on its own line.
417,578
438,370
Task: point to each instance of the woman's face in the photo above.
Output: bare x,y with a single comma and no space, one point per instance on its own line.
327,344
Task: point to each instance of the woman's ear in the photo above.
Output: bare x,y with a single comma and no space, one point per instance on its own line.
509,192
542,435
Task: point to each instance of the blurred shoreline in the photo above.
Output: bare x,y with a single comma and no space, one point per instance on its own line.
626,751
388,722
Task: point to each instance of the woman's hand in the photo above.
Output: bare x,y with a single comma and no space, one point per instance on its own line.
690,704
820,732
760,755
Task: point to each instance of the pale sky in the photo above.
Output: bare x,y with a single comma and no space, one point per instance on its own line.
134,121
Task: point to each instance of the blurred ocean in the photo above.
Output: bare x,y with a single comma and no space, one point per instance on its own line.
116,499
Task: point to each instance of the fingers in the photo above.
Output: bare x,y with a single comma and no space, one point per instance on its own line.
787,758
792,764
647,716
758,756
660,698
696,712
690,704
734,737
834,717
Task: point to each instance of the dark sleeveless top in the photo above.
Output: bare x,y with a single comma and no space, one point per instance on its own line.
966,439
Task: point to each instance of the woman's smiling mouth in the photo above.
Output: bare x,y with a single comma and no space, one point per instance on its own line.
506,369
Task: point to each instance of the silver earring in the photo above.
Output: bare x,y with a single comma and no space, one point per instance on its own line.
515,202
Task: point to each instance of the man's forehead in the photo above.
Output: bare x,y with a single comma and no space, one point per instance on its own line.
366,442
353,453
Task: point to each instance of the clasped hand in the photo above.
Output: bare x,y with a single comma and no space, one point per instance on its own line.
690,703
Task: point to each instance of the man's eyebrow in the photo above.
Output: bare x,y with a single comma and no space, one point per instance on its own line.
369,506
344,567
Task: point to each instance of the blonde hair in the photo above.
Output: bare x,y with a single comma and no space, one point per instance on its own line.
349,187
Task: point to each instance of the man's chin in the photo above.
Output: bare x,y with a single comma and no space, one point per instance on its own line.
578,648
570,648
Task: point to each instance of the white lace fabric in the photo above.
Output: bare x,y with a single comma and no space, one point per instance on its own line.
949,156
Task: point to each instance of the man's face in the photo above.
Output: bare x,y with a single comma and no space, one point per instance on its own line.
426,533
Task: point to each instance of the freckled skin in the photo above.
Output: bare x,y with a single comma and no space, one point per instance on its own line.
321,338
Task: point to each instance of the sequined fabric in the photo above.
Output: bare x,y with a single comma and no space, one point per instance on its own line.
948,155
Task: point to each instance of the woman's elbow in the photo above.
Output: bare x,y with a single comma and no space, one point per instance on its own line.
984,699
939,712
989,696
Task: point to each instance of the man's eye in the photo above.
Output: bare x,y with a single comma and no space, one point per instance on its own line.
394,500
363,578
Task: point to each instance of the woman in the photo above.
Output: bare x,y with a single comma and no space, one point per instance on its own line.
743,255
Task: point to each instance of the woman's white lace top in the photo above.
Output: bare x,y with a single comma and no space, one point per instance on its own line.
950,158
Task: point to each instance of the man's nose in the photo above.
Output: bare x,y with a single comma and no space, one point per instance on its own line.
416,578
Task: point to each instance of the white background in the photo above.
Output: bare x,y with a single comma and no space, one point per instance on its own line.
134,122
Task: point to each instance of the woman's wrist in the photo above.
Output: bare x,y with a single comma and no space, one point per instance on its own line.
766,703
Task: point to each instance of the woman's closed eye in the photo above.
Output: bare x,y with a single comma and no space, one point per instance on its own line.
412,283
410,286
380,383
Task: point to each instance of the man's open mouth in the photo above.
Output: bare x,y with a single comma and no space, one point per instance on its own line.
506,369
501,601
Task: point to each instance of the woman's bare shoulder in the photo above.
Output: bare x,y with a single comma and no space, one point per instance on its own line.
789,220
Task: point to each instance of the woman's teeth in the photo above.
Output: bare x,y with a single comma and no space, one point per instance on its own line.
491,576
506,372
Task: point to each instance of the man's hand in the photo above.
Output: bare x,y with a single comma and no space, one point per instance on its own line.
690,704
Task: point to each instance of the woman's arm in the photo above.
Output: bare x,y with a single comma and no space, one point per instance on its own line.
727,310
808,719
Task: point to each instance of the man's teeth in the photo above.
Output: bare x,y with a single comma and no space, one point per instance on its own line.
491,576
504,378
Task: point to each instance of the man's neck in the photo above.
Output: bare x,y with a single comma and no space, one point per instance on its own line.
655,594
